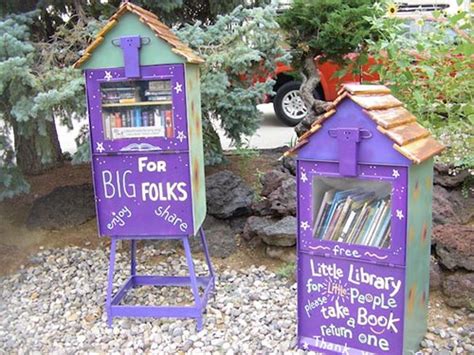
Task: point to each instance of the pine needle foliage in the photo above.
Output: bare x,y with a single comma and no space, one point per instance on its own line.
241,50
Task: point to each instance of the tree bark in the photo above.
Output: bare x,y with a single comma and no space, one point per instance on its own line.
311,79
213,152
28,156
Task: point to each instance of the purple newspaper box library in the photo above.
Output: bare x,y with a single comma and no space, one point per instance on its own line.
364,171
143,96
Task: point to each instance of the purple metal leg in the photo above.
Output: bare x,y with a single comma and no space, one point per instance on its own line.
206,251
116,309
133,257
192,276
110,285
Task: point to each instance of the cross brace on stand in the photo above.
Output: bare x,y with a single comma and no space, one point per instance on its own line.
115,309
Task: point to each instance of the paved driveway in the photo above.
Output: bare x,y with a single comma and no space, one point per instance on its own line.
271,134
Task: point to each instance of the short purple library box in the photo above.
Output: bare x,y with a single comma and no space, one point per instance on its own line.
364,189
143,98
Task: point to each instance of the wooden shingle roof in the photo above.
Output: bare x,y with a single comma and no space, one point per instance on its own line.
149,19
393,120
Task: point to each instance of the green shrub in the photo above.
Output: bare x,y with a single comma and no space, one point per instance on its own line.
430,68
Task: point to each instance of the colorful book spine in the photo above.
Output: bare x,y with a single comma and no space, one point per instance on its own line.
145,120
169,124
108,126
118,120
138,117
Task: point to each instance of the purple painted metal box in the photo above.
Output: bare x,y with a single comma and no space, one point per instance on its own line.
364,220
140,151
143,96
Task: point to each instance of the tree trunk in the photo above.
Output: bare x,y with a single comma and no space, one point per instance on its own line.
28,156
79,9
315,107
213,153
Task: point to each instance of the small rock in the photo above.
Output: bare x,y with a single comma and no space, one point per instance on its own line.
187,345
177,332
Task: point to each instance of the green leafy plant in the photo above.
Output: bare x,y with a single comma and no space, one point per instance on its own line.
428,63
238,49
246,155
287,271
327,29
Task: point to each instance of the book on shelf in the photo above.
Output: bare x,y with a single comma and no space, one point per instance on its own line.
325,205
353,216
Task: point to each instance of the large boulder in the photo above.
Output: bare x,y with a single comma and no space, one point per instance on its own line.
459,289
283,199
281,233
443,208
227,195
220,238
65,206
289,164
436,275
444,176
454,245
262,207
451,206
255,225
272,180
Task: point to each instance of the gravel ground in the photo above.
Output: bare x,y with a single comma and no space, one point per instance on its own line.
57,306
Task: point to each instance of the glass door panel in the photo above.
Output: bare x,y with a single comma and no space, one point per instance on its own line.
137,109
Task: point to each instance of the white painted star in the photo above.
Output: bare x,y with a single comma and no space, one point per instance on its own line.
304,178
181,136
305,346
100,147
399,214
178,88
395,173
304,225
108,75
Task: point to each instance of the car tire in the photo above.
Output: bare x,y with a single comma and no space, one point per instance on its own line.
288,105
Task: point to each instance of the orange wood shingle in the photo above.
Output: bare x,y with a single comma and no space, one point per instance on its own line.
376,102
406,133
357,89
391,117
421,149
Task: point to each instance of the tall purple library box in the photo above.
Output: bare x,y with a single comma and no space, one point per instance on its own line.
364,188
143,98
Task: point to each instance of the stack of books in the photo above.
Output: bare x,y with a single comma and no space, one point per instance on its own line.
117,123
158,91
122,95
354,216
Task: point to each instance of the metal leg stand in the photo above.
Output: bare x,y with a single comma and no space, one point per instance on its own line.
110,285
192,276
115,309
133,257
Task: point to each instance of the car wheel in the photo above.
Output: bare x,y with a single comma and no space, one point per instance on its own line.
288,104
